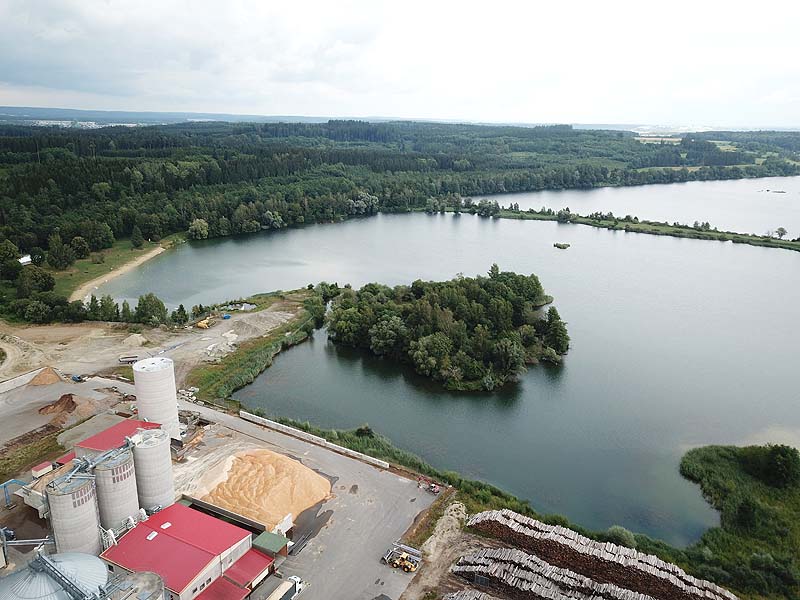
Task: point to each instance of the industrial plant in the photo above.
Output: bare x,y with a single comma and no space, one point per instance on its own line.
115,529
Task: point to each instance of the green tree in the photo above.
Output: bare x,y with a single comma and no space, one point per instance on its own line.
93,309
8,251
150,309
783,465
34,279
10,269
80,247
137,239
388,336
126,314
428,354
37,312
780,232
198,230
346,326
509,357
109,311
179,315
59,255
556,335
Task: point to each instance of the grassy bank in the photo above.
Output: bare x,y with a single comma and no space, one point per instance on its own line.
87,269
757,545
219,380
657,228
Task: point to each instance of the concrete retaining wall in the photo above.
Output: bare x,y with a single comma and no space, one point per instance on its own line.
314,439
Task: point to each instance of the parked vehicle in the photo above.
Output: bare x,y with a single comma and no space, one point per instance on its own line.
128,359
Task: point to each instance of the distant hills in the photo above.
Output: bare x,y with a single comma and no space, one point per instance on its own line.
90,119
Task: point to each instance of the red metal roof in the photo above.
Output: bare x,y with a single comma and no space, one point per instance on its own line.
114,436
42,465
62,460
178,563
222,589
178,552
249,567
198,529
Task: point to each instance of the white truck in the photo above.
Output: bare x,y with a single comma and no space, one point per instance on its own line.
288,590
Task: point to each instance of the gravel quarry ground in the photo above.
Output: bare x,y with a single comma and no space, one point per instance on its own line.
91,348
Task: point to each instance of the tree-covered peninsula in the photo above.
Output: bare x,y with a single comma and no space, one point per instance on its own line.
469,333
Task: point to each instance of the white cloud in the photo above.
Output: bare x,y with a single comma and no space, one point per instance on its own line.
591,62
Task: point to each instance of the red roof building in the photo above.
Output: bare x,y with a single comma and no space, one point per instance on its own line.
251,569
189,549
111,438
222,589
62,460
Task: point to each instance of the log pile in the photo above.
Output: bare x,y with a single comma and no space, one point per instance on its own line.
469,595
527,577
602,562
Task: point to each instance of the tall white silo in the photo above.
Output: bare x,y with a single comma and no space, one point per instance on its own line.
156,398
117,496
153,460
74,516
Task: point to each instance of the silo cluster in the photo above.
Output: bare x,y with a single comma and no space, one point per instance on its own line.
108,491
156,397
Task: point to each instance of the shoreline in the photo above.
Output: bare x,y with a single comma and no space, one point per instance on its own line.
85,289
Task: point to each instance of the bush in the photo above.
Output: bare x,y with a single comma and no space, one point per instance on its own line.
617,534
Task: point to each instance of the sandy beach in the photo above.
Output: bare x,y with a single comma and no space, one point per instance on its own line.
85,290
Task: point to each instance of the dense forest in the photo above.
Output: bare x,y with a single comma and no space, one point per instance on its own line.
469,333
231,178
67,194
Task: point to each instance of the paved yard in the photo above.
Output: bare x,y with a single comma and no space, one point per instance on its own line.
369,510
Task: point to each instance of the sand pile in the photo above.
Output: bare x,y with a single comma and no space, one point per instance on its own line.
134,340
45,377
266,486
64,404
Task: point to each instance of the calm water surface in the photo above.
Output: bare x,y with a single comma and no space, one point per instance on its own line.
675,343
744,205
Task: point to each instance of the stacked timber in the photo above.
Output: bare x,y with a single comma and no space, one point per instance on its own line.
469,595
602,562
525,576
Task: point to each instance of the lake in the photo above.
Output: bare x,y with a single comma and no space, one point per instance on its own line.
675,343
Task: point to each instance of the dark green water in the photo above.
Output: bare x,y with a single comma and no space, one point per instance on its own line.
676,343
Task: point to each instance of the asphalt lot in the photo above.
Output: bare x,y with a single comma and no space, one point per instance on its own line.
369,510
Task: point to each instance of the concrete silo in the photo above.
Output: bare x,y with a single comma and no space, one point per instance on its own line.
153,460
156,398
74,515
117,496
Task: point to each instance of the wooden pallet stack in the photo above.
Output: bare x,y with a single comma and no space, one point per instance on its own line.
528,577
469,595
601,562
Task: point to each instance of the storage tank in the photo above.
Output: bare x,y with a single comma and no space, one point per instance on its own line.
73,515
156,399
117,496
85,571
153,460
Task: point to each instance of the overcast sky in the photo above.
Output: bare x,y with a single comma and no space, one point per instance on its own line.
691,63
